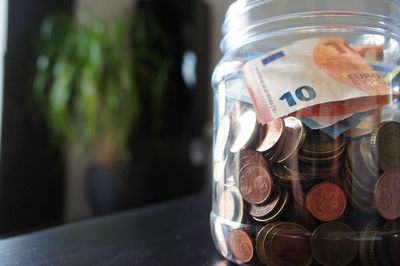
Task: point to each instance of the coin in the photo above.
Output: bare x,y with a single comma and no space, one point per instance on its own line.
319,144
285,174
390,244
273,132
326,201
365,151
314,170
367,248
323,160
364,195
241,245
385,146
261,211
221,138
296,212
230,205
226,205
354,179
255,183
294,136
357,167
244,131
260,241
288,245
246,157
279,210
260,249
357,204
387,195
333,244
361,202
274,155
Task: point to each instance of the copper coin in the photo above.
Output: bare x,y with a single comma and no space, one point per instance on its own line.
289,245
326,201
387,195
334,244
230,205
227,205
245,130
279,210
260,211
246,157
241,245
255,183
385,146
273,132
294,136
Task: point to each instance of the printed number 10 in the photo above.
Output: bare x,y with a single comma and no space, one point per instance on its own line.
304,94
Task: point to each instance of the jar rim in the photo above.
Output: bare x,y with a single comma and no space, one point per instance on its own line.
245,19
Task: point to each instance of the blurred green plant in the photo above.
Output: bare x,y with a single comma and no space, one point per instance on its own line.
86,80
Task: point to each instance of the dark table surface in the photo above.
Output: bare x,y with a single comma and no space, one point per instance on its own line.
173,233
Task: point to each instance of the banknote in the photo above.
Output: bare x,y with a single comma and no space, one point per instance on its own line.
236,87
314,77
319,122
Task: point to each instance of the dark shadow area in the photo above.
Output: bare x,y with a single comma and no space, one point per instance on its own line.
94,123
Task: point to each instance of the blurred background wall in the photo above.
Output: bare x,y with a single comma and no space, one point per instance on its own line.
119,8
45,181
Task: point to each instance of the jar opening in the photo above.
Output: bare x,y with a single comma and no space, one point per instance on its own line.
247,20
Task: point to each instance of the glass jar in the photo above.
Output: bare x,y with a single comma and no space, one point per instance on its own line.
306,155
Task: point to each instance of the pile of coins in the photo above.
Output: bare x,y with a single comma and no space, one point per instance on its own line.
286,194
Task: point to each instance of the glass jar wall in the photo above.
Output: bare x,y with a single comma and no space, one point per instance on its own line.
306,155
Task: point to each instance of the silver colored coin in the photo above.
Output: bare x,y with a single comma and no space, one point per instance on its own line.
246,128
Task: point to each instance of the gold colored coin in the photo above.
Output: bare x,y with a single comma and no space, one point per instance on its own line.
294,136
385,146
